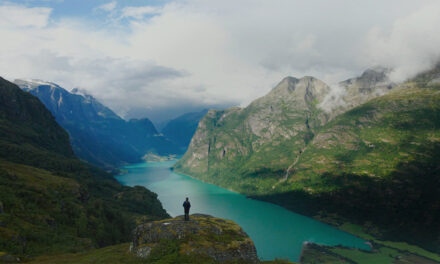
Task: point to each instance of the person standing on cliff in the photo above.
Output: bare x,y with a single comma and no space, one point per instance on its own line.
186,206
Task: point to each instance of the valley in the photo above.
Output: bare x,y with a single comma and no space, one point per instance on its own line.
299,147
372,163
293,132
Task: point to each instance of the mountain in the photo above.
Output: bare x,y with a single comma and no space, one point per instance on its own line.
50,201
261,138
372,159
97,134
355,91
181,129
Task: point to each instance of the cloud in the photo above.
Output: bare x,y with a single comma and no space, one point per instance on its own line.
139,12
219,52
108,7
20,16
114,80
411,46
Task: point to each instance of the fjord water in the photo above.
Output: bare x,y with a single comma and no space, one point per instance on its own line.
276,232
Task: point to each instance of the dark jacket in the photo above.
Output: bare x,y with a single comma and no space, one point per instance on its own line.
186,205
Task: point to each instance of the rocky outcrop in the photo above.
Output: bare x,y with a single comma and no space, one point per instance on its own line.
245,138
264,141
219,239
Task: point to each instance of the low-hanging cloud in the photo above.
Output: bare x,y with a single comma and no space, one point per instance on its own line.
218,52
411,46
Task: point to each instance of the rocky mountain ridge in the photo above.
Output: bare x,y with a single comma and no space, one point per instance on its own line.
97,134
288,117
286,148
181,129
50,201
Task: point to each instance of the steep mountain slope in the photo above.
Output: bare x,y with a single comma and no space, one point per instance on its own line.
374,163
97,134
377,162
267,137
241,140
181,129
350,93
51,202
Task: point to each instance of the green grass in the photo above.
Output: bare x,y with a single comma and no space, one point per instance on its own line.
113,254
390,245
53,202
190,248
384,256
402,246
316,254
119,254
44,212
376,164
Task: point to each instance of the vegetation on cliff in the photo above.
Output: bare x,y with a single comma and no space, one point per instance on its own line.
203,239
51,202
97,134
375,164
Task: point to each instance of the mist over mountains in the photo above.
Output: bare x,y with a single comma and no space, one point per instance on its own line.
315,125
367,154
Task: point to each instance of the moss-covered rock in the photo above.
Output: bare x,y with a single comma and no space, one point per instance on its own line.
213,239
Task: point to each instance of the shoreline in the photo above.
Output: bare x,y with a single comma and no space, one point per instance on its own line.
375,245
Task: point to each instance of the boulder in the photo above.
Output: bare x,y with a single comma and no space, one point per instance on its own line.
219,239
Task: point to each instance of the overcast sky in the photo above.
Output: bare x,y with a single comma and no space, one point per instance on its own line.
160,58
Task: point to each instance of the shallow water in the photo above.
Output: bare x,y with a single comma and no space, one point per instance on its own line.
276,232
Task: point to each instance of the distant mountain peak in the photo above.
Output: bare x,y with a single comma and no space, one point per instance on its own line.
65,105
303,91
79,91
29,84
376,74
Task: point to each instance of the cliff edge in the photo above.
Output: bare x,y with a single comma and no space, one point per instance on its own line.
204,238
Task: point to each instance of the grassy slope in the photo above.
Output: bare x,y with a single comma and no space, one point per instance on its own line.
379,163
376,165
183,250
119,254
381,255
51,201
256,160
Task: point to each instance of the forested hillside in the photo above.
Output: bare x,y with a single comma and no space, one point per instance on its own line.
51,202
374,161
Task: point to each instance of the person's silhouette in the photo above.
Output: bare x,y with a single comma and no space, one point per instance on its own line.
186,206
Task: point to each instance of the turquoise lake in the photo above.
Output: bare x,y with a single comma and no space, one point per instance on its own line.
276,232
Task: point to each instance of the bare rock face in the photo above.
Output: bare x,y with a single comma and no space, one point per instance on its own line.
219,239
266,139
239,138
353,92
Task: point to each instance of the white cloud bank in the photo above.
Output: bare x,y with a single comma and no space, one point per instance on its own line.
217,52
412,45
16,16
